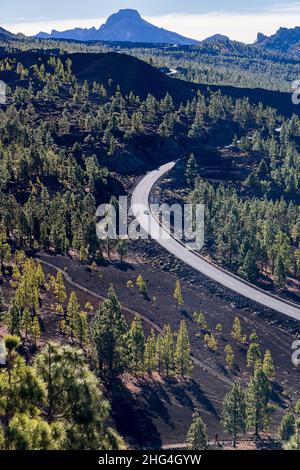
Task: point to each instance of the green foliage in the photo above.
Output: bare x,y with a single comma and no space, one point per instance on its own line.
136,339
122,249
141,284
73,397
211,341
200,319
254,353
73,313
268,365
197,438
287,426
289,429
236,332
27,433
229,356
109,330
191,171
167,358
219,329
234,412
182,356
150,355
178,295
258,394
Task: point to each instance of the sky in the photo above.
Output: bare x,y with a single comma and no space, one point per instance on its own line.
240,20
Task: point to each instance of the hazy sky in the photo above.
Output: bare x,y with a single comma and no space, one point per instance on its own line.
241,20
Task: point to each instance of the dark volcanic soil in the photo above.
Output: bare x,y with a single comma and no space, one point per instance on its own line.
152,413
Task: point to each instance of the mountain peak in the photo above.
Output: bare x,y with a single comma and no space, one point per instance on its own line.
216,37
128,13
126,25
261,37
285,40
4,34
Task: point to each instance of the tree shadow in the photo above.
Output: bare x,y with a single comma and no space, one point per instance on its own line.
202,399
276,395
186,315
123,266
134,415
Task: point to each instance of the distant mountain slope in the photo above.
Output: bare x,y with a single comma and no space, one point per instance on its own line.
285,40
131,74
6,35
126,25
216,37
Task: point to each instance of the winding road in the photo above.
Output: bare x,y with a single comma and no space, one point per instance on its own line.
148,222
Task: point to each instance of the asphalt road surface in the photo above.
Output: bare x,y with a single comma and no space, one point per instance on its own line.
142,211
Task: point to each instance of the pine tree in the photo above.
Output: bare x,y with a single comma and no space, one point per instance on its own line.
25,432
1,306
36,330
183,361
83,254
142,286
150,355
26,322
5,251
20,389
257,400
27,294
13,319
211,342
268,365
122,249
197,438
73,311
294,442
280,272
178,295
58,288
234,412
74,397
159,353
287,426
200,319
253,353
16,276
40,275
82,328
229,356
249,269
236,332
110,336
167,353
191,171
136,340
289,430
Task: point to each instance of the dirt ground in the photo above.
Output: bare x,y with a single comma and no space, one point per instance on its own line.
152,413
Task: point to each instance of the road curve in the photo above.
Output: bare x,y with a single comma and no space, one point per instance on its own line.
142,211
